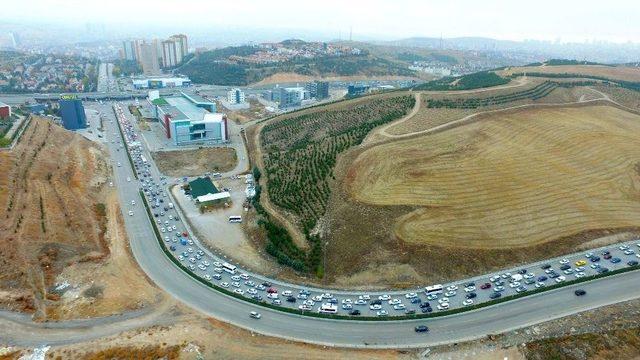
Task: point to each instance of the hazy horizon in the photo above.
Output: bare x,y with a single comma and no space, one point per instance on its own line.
567,21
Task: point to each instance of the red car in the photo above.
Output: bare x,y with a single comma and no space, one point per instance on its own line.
184,234
272,290
485,286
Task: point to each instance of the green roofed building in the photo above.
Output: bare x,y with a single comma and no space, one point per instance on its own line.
202,186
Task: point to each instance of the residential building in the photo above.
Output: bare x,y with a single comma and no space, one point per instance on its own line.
190,119
5,111
235,96
318,89
182,45
129,49
169,53
149,58
72,112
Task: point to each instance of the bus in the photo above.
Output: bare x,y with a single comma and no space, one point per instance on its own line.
235,219
328,308
433,289
231,269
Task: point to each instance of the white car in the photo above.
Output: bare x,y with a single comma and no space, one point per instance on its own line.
224,284
284,293
218,270
375,307
364,297
398,307
347,301
560,279
467,302
443,300
444,306
252,291
128,179
384,297
238,291
382,313
347,306
244,276
432,296
452,287
411,295
394,301
130,212
235,284
470,289
360,302
514,284
450,294
563,261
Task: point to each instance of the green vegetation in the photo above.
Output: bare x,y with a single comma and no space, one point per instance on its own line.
631,85
477,80
299,156
557,62
534,93
126,67
210,68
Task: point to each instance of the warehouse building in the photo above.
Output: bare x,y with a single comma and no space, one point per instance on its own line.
205,193
190,119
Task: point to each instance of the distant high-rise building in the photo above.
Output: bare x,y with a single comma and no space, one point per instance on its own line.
149,58
182,40
169,53
72,112
129,49
235,96
292,97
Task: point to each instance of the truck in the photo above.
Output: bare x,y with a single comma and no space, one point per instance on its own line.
516,277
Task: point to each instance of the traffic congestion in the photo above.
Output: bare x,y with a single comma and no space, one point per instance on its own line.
433,298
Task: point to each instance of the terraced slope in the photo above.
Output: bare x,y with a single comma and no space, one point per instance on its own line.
513,180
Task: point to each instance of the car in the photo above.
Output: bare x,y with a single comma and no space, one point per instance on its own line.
470,288
327,295
522,271
235,284
521,289
529,276
467,302
276,302
514,284
594,259
443,300
485,286
382,313
579,274
450,294
580,263
580,292
130,212
411,295
255,315
607,256
568,271
224,284
305,307
421,328
560,279
415,301
615,260
471,295
425,305
285,292
360,302
498,289
426,310
291,299
452,287
594,266
624,247
632,263
394,301
347,306
384,297
540,284
563,261
410,312
354,312
238,291
565,267
629,252
602,270
495,295
545,266
375,307
364,297
542,278
432,296
398,307
443,306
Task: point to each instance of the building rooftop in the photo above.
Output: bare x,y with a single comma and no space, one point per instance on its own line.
197,99
174,112
186,107
3,104
202,186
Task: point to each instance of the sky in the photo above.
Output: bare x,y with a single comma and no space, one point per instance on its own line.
564,20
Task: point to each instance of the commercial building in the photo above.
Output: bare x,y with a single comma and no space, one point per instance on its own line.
318,89
149,58
235,96
190,119
157,82
292,97
205,193
5,111
72,112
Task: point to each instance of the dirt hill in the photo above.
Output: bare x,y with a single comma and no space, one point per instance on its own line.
52,212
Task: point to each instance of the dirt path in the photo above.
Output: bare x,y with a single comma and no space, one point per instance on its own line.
297,236
469,118
383,129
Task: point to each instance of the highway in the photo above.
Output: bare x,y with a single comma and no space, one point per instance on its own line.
455,328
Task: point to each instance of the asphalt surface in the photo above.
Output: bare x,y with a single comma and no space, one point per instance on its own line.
465,326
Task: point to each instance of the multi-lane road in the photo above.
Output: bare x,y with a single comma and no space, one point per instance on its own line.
468,325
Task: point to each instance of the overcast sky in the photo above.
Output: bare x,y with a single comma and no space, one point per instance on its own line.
614,20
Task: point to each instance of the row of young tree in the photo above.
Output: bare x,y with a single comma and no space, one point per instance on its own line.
534,93
300,156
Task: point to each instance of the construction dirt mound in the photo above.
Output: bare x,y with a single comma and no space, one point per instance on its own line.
52,212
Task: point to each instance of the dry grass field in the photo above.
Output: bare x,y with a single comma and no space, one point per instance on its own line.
195,162
620,72
514,180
